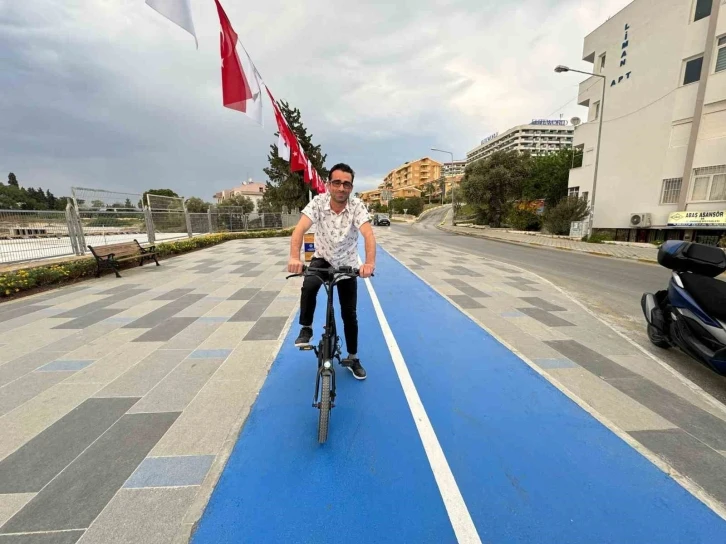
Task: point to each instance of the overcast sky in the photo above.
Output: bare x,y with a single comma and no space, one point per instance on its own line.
108,94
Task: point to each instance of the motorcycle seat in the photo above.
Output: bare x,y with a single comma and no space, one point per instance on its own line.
709,293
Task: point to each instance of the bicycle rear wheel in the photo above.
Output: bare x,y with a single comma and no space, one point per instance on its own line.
324,416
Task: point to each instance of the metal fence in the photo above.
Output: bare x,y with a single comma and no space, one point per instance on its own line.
27,235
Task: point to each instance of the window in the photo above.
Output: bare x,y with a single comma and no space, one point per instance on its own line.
585,195
693,70
573,191
721,57
602,63
703,9
671,191
709,184
596,111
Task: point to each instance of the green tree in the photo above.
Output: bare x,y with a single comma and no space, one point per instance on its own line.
197,205
286,188
557,219
238,201
493,184
413,205
12,180
549,177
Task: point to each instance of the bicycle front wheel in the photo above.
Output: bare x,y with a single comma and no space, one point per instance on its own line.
324,416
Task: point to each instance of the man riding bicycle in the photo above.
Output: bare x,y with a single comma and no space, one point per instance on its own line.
338,218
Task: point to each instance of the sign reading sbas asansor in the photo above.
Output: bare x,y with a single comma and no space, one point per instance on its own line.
697,219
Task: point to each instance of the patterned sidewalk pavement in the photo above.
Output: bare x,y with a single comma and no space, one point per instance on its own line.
121,399
608,250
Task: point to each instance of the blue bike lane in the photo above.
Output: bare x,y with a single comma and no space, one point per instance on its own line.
530,465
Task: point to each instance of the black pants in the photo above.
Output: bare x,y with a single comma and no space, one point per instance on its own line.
347,295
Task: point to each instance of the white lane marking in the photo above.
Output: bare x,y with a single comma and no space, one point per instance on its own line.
453,501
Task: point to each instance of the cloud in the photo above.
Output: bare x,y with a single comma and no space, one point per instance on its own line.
109,94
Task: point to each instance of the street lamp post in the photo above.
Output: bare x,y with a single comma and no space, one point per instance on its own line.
453,193
559,69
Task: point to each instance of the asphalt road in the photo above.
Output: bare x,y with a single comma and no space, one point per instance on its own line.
610,287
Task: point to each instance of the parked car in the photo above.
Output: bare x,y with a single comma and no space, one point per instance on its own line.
381,219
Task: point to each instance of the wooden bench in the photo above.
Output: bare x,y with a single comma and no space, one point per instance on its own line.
109,256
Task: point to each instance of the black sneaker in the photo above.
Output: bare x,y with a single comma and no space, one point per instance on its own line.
355,368
303,339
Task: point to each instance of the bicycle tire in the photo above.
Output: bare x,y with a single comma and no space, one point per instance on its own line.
324,416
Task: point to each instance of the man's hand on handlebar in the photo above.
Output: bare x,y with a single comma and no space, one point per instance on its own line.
366,270
295,266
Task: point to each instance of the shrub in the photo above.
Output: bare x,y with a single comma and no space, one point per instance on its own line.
557,219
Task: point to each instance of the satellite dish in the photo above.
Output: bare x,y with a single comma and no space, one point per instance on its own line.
575,121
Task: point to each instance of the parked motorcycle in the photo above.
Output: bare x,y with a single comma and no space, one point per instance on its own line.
691,313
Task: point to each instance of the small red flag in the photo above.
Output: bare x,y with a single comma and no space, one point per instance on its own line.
235,87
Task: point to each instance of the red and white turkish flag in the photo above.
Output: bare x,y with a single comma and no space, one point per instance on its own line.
291,150
241,82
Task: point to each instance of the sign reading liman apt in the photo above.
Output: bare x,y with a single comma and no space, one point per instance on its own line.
697,219
556,122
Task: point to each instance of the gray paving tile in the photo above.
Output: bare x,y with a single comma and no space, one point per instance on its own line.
174,294
462,271
143,376
420,262
20,311
689,456
543,304
25,388
590,360
16,368
520,286
465,301
166,330
170,471
692,419
64,537
466,288
79,493
101,304
255,307
75,340
119,289
511,314
158,316
179,387
135,514
88,320
62,365
266,328
246,293
37,462
545,317
554,363
210,354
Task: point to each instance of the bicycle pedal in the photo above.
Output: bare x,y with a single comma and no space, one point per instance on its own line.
306,348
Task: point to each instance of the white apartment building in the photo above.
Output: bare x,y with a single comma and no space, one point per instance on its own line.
540,137
455,168
252,189
662,164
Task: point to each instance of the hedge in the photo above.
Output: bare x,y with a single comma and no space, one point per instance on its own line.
26,279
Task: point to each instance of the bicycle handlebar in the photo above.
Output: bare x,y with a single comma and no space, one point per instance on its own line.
343,270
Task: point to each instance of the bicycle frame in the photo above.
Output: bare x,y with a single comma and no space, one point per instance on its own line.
329,346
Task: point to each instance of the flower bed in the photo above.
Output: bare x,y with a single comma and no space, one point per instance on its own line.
35,277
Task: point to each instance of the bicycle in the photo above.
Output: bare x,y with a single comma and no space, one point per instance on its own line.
329,346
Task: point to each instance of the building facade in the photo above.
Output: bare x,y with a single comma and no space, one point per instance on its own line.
251,189
417,173
539,138
662,157
455,168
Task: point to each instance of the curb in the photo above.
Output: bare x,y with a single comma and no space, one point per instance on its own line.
536,245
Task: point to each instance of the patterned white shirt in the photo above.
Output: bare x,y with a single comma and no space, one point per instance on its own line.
336,235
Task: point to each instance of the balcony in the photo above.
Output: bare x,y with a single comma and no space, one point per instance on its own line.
590,89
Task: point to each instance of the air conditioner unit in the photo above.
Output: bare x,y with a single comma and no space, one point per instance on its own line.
640,220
